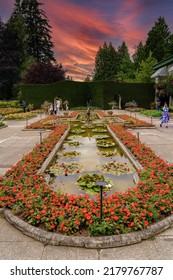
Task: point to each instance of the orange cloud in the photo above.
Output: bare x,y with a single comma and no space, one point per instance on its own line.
77,33
80,27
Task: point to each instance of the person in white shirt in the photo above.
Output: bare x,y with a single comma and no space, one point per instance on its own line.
58,106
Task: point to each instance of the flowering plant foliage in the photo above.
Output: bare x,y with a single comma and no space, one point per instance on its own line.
19,116
129,120
7,111
26,193
51,120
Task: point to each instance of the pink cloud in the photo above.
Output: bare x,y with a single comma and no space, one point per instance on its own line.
77,33
79,29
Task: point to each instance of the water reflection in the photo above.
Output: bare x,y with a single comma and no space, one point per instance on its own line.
89,157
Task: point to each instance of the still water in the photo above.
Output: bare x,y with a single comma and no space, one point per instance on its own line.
84,137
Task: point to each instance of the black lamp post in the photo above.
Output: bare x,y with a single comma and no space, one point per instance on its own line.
101,184
26,122
41,136
138,137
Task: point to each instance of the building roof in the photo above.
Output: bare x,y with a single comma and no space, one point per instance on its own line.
161,72
164,62
170,69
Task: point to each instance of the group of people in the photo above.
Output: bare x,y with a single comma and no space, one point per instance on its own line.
56,107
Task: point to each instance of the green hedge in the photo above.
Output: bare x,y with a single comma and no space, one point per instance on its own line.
77,93
12,104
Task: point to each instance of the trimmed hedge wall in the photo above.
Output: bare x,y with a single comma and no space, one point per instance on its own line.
77,93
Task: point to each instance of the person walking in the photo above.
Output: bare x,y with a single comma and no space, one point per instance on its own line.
24,105
165,115
58,103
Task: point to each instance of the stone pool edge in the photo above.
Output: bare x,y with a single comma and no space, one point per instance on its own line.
112,241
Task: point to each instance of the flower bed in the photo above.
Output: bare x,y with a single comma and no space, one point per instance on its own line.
7,111
26,193
41,124
129,121
133,122
20,116
51,120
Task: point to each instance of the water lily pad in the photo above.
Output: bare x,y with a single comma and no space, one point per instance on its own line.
88,125
74,125
75,143
101,136
99,130
72,137
88,182
65,168
108,153
77,131
71,154
105,143
115,168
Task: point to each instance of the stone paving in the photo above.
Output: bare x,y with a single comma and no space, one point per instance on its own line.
14,245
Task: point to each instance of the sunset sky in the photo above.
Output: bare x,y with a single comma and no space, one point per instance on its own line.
79,27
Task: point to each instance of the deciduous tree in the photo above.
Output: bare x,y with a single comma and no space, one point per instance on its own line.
44,73
145,70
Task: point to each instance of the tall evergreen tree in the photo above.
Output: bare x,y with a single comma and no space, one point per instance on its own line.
125,64
105,63
35,29
138,55
170,46
158,40
10,59
123,51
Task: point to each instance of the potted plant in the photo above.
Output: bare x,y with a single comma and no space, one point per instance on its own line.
110,113
113,105
153,105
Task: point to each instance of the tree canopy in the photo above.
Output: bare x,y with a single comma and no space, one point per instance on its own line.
158,40
44,73
33,29
105,63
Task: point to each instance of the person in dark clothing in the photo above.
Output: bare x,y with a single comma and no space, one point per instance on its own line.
24,106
